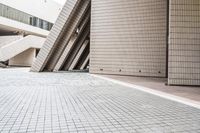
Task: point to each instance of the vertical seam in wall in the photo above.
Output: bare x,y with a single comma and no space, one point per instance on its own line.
167,40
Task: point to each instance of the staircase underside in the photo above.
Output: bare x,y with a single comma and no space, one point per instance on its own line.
14,48
2,65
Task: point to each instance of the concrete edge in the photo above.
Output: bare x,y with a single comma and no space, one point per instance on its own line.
171,97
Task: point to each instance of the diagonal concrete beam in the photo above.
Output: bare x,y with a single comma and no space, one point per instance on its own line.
66,24
85,63
84,56
65,53
78,56
74,50
73,41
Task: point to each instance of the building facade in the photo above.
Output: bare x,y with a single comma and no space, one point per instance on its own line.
184,42
151,38
128,37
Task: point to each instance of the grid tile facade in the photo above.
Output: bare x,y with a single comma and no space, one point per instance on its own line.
128,37
184,44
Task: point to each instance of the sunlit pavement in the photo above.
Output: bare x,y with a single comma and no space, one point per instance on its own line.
79,102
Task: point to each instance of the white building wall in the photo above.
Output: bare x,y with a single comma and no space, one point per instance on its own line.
25,58
44,9
129,37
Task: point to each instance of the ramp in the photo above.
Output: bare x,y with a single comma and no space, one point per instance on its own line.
4,40
2,65
14,48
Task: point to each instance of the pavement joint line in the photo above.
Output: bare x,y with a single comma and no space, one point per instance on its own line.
171,97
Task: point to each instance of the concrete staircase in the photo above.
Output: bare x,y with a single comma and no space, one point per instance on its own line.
2,65
7,51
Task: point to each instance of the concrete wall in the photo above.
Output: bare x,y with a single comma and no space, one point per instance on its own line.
25,58
184,47
128,37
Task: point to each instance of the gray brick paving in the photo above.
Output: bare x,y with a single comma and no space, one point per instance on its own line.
80,103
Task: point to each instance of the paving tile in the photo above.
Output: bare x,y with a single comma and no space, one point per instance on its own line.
80,103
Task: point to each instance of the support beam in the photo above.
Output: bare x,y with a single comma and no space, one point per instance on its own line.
76,48
65,53
2,65
85,63
73,41
78,56
66,24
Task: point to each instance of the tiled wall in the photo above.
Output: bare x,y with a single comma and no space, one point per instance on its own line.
4,40
184,47
128,37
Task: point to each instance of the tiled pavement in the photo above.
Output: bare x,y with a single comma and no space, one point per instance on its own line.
159,84
80,103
